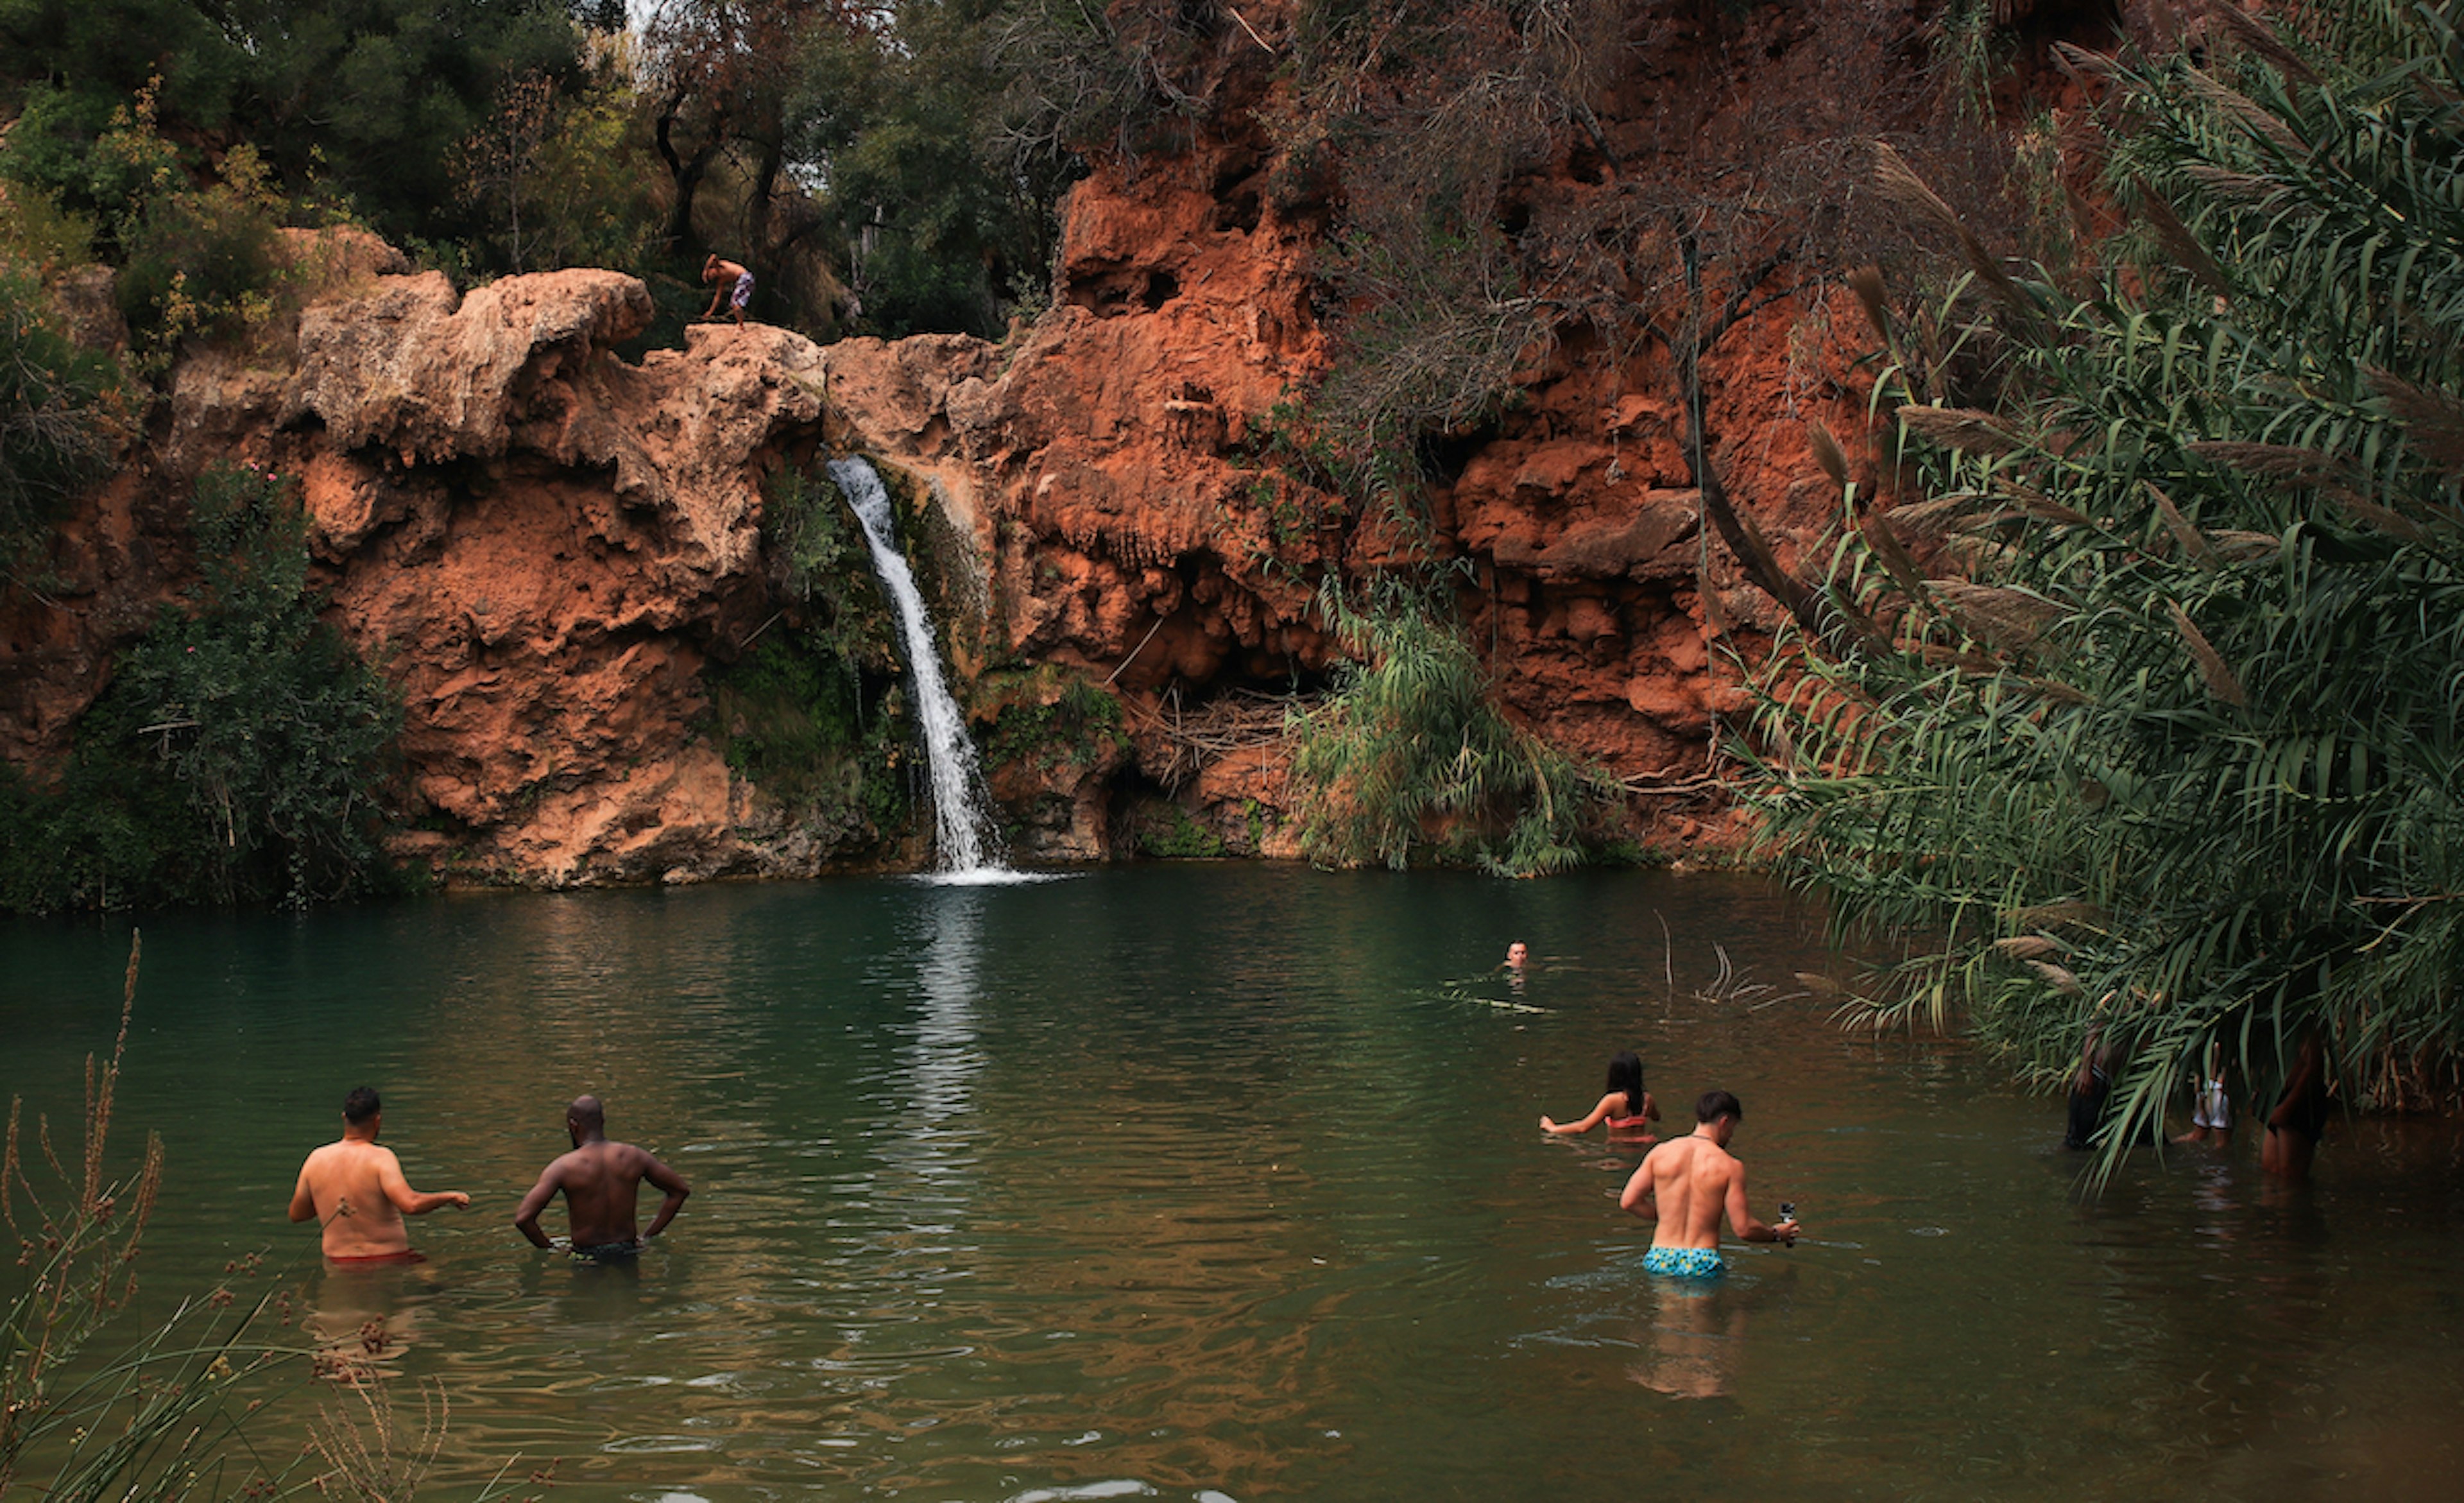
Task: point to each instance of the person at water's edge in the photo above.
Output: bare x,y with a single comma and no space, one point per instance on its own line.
2300,1116
1687,1185
601,1181
358,1191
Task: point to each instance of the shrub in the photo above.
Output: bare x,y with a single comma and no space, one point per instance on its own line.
238,752
59,417
205,260
1412,755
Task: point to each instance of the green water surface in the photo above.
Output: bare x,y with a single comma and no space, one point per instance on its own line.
1217,1183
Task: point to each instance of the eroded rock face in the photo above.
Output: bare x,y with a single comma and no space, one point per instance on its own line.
540,546
1111,457
547,547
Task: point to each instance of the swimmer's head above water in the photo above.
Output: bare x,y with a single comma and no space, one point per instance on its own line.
1518,955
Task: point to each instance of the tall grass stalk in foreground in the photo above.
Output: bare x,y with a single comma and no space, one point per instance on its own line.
161,1418
156,1419
2145,709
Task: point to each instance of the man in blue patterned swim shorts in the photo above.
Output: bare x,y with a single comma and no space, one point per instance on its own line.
1686,1184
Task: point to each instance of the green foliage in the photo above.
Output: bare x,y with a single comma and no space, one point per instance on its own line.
804,725
38,234
203,260
812,713
59,414
363,101
2180,748
1048,719
948,225
560,177
1168,834
1411,755
237,753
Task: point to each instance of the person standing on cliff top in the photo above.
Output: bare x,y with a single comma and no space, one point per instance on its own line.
728,280
357,1189
601,1181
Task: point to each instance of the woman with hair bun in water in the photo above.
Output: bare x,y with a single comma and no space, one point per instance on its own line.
1627,1107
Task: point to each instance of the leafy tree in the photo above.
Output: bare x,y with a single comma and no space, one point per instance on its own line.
362,100
722,72
237,753
2170,741
1411,755
943,219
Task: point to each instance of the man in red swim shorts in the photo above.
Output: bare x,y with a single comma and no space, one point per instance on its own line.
357,1190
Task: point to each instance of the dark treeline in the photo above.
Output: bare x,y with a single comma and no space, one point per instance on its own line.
873,164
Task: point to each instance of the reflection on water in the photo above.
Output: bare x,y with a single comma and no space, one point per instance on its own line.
365,1318
1697,1339
1222,1182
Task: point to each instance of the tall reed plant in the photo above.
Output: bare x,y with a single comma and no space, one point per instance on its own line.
2145,712
1411,755
160,1418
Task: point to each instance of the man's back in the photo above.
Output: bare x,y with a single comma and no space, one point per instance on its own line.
346,1182
356,1188
602,1183
1689,1180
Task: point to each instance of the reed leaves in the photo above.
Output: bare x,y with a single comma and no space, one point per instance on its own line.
2189,671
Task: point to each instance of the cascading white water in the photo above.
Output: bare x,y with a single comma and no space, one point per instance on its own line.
968,843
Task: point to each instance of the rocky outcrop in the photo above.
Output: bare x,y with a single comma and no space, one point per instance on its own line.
547,547
541,545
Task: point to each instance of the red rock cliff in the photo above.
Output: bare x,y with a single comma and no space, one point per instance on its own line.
546,546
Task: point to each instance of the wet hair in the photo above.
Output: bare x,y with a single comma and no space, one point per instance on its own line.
1625,1074
360,1106
1717,1104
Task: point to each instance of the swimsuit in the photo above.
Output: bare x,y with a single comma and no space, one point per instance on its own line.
743,291
2213,1109
1684,1261
609,1251
1629,1124
366,1260
2308,1117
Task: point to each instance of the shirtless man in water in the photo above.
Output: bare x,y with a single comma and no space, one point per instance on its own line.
1687,1184
357,1189
600,1181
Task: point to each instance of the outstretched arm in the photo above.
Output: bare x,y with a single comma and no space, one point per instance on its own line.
1599,1112
1750,1227
527,1216
671,1182
410,1202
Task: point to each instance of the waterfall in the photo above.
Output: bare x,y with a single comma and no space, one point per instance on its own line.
967,841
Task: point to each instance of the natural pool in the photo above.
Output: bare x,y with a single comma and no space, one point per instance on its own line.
1225,1181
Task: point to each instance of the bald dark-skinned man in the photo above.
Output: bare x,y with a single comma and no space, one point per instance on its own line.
600,1181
